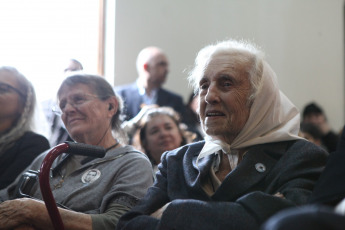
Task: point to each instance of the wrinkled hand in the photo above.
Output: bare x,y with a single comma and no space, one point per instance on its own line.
158,214
15,214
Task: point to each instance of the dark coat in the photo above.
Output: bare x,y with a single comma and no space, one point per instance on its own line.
15,159
133,100
245,198
330,189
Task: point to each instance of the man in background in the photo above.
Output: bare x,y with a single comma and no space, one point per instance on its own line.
152,67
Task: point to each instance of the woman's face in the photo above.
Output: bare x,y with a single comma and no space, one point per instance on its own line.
223,93
162,134
10,101
89,118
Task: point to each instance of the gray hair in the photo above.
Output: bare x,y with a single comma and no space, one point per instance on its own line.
28,97
247,53
103,90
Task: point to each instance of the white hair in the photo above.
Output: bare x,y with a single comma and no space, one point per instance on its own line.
250,53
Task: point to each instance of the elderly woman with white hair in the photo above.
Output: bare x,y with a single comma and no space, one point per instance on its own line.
252,163
19,145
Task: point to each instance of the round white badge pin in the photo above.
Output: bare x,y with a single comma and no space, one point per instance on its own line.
90,176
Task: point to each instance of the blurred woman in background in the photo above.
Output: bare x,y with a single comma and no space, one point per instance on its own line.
161,130
19,145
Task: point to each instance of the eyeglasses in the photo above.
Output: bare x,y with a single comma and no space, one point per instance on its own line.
76,100
6,88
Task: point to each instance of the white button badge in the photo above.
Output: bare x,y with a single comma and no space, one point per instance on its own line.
260,167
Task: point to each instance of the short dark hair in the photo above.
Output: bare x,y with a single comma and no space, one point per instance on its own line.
312,108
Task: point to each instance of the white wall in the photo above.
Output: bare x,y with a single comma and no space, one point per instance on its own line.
303,40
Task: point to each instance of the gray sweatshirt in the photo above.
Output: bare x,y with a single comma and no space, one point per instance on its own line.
96,187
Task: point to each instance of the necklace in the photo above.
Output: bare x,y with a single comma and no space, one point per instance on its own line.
113,146
59,184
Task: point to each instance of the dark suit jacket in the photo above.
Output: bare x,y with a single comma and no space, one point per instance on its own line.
245,198
15,159
133,100
330,188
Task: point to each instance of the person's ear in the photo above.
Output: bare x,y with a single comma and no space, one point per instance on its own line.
146,67
113,105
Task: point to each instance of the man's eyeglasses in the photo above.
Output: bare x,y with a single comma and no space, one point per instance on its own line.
6,88
75,100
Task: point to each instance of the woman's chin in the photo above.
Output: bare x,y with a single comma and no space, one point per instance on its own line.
77,135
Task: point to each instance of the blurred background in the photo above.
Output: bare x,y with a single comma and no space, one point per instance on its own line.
303,41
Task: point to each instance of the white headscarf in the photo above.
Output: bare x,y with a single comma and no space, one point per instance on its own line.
272,118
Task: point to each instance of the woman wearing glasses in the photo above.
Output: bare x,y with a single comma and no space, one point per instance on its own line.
96,192
18,144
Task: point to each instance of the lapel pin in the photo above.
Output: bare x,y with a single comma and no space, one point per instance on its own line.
260,167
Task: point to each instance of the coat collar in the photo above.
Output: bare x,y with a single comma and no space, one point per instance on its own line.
254,167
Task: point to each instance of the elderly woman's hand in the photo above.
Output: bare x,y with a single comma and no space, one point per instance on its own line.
21,213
